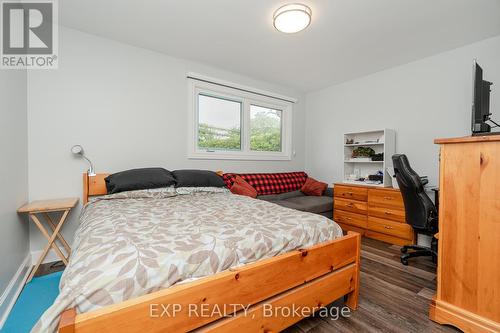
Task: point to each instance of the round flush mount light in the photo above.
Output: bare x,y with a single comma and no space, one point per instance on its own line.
292,18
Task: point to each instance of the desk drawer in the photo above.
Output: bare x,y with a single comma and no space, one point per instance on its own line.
350,205
386,198
353,219
393,214
351,192
401,230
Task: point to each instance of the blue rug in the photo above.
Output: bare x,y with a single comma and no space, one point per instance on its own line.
36,297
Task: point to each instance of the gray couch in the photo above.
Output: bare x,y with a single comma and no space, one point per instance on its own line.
322,205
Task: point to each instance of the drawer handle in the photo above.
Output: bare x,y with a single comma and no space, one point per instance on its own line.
348,218
387,213
387,198
350,205
387,227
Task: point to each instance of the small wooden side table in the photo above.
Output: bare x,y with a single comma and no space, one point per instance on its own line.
37,209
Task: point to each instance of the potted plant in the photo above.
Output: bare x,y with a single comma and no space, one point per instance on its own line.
363,152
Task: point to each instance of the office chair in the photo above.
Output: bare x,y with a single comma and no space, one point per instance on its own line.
421,213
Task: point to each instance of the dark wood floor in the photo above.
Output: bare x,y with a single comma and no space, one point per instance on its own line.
49,268
393,297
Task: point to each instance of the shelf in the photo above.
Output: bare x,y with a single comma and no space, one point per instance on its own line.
357,182
381,141
363,144
366,132
363,161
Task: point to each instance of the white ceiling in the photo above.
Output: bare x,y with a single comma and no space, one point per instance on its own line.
346,39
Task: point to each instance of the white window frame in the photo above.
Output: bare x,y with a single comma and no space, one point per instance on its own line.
197,87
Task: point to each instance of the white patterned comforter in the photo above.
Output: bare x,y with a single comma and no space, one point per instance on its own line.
133,243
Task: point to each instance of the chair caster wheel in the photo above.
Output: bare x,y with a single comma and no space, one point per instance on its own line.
404,250
404,261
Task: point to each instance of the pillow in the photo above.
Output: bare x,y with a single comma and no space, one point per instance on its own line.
313,187
197,178
241,187
139,179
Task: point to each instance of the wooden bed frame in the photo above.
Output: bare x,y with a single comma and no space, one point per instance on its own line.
305,279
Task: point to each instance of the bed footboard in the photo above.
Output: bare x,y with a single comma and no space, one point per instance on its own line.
248,298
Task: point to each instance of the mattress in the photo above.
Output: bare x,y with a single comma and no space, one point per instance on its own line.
134,243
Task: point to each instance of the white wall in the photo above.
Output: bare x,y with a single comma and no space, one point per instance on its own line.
423,100
14,236
127,106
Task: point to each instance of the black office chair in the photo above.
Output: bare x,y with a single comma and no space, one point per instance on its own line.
421,213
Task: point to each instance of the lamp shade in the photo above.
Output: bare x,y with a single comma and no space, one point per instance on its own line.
77,150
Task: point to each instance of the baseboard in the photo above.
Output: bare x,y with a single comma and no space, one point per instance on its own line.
16,284
13,290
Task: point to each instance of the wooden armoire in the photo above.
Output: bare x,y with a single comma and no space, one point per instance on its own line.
468,276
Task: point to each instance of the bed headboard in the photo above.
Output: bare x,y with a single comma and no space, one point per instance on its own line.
93,185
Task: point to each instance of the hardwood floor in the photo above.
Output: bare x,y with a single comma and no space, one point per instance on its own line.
393,297
50,267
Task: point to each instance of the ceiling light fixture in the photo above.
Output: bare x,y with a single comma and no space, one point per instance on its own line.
292,18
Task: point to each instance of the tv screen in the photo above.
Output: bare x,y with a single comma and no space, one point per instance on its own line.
480,101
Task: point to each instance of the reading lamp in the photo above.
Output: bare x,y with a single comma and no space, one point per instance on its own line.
77,150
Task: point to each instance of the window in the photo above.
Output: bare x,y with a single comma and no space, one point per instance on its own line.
219,123
228,123
265,129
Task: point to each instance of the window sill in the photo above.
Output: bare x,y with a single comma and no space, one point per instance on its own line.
239,156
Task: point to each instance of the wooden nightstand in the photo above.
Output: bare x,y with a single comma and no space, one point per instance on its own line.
39,208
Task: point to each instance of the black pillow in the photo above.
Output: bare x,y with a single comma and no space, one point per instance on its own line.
139,179
197,178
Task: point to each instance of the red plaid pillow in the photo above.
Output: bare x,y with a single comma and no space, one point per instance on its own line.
270,183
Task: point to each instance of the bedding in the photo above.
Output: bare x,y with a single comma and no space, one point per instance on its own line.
197,178
139,179
133,243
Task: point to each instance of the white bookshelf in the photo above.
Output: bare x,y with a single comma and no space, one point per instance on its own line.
381,141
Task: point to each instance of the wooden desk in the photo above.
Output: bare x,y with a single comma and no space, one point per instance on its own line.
468,276
36,210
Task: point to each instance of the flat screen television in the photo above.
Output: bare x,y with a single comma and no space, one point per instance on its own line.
481,102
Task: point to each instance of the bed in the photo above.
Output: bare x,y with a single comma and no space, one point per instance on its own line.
162,261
